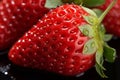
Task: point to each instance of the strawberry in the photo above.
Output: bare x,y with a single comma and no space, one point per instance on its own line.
68,41
111,21
17,17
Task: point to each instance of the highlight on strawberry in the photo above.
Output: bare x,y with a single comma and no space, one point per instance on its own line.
68,40
17,17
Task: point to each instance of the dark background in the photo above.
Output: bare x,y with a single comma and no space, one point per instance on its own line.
17,73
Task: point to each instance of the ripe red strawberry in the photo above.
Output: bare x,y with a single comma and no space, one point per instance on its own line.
112,19
16,17
65,41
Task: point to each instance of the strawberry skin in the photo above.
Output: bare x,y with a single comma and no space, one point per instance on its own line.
17,17
55,43
112,19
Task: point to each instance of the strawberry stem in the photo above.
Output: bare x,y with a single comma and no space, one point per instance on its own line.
100,43
106,11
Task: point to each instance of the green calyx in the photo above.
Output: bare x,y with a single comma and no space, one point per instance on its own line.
53,3
89,3
97,39
93,3
73,1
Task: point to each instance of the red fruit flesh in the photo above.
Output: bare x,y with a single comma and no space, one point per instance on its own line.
55,43
17,17
112,19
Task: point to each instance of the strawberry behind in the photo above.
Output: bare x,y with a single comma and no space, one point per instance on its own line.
112,19
17,17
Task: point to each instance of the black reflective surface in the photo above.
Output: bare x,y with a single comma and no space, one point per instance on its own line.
9,71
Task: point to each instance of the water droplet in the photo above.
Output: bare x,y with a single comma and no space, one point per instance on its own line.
6,73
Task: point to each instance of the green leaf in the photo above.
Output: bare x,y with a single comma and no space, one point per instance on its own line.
67,1
89,11
73,1
109,53
89,47
93,3
97,11
87,30
100,71
78,2
91,19
99,59
108,37
53,3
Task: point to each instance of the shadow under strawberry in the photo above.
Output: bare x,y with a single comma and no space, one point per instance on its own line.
21,73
